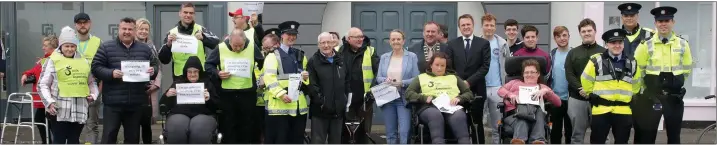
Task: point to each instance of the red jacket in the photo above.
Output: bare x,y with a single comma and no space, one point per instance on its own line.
534,52
35,71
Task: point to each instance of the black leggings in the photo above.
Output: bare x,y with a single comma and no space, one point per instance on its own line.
65,132
40,118
436,124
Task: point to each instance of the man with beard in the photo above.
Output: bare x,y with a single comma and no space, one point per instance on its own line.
186,26
361,63
429,46
88,47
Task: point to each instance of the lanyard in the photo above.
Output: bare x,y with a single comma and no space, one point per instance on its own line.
83,48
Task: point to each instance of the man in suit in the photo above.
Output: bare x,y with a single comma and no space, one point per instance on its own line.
470,58
430,44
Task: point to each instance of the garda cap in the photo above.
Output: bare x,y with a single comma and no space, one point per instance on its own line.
274,31
629,8
664,12
614,35
289,27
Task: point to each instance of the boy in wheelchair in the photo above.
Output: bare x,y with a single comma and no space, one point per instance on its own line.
189,122
526,118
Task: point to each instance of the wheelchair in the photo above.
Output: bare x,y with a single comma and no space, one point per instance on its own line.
420,134
514,71
164,112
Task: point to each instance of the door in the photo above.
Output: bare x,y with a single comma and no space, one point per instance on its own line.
377,20
166,18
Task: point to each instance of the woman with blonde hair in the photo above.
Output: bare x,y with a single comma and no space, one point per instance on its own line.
143,31
49,43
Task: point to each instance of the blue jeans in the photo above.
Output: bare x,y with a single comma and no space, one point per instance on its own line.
398,121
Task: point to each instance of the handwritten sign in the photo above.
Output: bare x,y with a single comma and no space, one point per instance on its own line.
250,7
238,67
294,83
185,44
384,93
525,95
190,93
135,70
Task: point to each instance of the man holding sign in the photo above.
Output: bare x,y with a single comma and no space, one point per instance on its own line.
253,30
123,66
186,45
287,117
233,63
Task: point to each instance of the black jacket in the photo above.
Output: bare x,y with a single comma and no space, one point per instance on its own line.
329,86
191,110
420,53
471,66
352,61
109,57
214,61
210,41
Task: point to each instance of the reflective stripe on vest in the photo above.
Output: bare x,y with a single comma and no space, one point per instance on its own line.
275,106
91,47
247,55
366,68
72,76
610,89
179,59
436,85
655,69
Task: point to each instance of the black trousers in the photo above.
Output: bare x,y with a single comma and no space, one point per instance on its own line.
620,124
646,116
65,132
237,110
285,129
146,124
559,118
326,130
127,117
40,115
477,111
258,127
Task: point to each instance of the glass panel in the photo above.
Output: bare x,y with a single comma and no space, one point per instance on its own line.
694,23
105,16
34,19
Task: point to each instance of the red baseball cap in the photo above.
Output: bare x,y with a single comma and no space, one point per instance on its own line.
237,12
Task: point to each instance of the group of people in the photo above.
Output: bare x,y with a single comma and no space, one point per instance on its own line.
259,88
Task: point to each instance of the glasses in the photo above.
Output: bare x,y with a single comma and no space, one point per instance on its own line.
357,37
326,43
530,72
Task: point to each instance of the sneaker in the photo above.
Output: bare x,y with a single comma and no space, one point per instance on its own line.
517,141
538,142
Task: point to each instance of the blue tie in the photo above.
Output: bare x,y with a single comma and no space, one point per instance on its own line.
468,45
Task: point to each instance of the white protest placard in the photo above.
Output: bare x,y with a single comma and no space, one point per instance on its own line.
384,93
525,95
190,93
135,70
443,103
250,7
238,67
294,83
185,44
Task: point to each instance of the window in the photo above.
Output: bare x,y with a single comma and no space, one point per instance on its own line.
105,16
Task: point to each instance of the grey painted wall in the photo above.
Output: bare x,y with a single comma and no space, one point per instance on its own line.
308,14
533,13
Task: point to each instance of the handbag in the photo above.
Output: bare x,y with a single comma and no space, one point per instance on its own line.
526,112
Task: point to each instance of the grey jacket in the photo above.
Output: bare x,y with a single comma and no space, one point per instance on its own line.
504,53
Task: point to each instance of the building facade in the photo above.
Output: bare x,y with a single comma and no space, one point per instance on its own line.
23,24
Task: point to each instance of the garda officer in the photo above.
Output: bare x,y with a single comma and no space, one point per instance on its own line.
608,79
186,26
666,61
286,116
635,33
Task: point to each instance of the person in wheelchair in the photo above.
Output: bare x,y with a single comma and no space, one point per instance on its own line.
438,82
190,123
527,120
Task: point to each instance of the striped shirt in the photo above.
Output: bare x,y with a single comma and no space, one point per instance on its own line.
69,109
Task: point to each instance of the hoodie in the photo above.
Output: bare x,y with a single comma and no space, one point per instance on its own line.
191,110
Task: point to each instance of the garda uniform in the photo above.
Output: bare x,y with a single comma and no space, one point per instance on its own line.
637,35
610,82
666,62
287,119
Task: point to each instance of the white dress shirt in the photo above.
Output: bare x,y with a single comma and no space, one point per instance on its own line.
464,40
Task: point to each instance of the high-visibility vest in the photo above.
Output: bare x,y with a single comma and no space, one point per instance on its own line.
633,40
90,47
250,34
72,75
246,55
179,59
276,83
599,78
436,85
366,68
259,91
653,56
